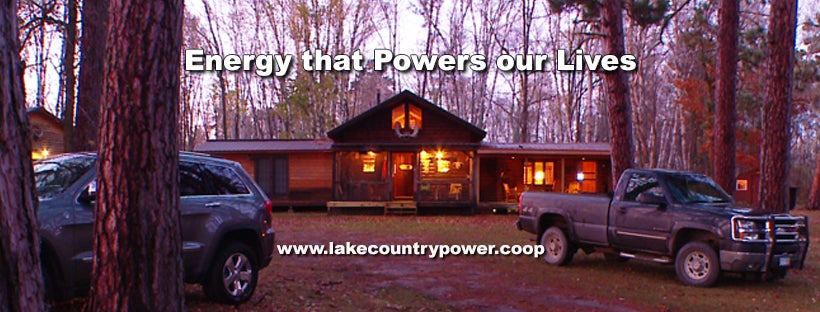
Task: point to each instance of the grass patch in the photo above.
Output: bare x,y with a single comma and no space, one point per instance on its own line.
635,283
409,283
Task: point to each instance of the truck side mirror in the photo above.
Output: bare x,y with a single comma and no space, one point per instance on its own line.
652,199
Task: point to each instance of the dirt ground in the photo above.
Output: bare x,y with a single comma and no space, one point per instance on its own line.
404,283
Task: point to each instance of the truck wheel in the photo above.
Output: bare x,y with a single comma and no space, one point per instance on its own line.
697,264
233,275
557,249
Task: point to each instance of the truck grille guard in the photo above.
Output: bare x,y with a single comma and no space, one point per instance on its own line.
781,229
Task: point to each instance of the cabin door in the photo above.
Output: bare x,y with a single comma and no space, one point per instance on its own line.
403,175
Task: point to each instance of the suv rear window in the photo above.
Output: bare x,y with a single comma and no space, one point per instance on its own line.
52,176
209,179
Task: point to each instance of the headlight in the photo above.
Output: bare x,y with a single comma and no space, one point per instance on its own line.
803,229
748,230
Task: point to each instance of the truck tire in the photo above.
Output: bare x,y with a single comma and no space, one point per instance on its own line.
233,274
697,264
558,250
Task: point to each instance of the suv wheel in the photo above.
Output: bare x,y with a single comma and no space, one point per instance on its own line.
233,275
697,264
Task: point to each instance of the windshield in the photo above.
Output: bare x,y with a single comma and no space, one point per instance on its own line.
687,189
52,176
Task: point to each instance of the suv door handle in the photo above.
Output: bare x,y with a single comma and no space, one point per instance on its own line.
213,204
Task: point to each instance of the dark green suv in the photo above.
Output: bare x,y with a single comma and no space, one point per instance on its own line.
226,225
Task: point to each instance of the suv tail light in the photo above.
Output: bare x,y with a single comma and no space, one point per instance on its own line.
269,208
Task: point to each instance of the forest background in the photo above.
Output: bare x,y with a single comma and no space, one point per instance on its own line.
672,90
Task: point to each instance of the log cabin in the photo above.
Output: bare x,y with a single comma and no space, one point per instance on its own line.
46,133
407,155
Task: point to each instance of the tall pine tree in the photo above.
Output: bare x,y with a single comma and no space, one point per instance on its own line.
137,241
774,163
724,157
21,282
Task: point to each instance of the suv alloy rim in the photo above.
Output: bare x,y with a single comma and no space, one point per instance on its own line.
236,274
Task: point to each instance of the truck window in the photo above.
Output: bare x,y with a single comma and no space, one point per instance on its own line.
696,189
641,183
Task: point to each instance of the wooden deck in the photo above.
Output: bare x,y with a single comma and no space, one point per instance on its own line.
398,207
498,207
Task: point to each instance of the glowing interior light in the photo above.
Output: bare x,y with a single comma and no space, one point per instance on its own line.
539,177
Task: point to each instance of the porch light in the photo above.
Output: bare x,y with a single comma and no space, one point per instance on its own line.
579,176
439,155
45,152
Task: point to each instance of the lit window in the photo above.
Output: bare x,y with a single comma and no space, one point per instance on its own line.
443,165
742,185
37,155
369,162
539,173
406,116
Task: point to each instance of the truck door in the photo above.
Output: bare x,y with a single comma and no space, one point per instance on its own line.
640,224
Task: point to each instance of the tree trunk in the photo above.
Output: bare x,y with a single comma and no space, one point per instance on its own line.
223,92
527,10
777,105
724,148
92,57
617,89
69,54
21,282
137,241
814,196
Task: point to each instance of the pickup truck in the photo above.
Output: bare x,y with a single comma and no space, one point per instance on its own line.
667,217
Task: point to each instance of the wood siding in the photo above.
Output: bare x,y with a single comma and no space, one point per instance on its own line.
46,134
310,176
243,159
310,170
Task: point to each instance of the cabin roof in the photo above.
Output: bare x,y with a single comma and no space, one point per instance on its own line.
585,149
406,96
39,110
231,146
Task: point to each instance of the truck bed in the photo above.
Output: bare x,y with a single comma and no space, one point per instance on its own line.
586,213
